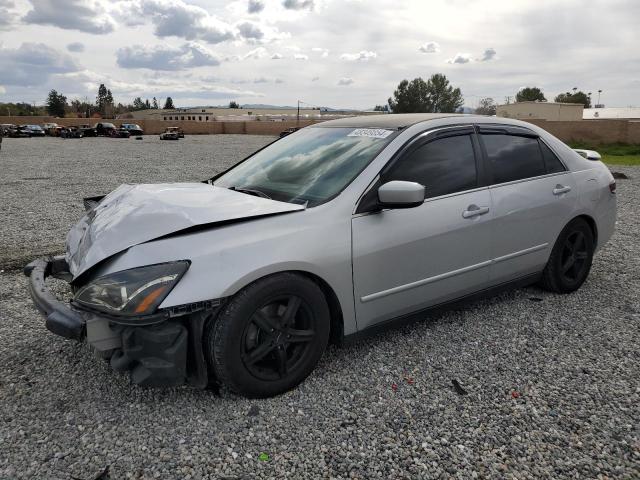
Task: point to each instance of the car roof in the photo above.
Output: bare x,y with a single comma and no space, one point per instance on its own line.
393,120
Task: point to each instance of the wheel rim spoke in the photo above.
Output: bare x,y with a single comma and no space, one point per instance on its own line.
300,336
263,322
282,361
568,263
259,352
292,309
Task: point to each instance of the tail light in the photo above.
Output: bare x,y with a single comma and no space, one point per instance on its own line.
612,186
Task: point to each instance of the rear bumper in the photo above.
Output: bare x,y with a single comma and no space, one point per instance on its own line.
166,353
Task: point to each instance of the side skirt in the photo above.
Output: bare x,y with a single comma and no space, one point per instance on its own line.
439,308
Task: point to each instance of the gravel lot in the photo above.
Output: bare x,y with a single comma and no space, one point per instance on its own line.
552,382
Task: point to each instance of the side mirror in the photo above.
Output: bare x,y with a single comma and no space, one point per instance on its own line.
400,194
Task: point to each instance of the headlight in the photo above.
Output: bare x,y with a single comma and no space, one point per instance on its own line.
133,292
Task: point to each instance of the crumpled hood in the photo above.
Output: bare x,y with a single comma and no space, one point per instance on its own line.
134,214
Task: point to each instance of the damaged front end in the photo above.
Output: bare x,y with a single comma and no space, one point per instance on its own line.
118,316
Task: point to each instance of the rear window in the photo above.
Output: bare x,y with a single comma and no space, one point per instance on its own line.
512,157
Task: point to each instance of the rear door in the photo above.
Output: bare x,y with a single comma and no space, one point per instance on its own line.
533,197
408,259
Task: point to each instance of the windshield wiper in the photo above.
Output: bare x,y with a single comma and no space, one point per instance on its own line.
250,191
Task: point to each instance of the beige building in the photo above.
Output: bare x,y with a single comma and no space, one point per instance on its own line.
212,114
541,110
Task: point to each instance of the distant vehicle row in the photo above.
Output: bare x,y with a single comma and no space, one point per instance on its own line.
100,129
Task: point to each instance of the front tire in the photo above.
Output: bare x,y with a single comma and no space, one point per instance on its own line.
570,261
270,336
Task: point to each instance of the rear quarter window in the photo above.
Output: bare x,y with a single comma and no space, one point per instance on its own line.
551,161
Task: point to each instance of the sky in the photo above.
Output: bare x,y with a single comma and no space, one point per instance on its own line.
327,53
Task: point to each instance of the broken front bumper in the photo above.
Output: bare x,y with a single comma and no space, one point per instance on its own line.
163,351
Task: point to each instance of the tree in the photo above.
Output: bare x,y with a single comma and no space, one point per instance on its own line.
575,97
530,94
147,105
486,106
56,104
444,97
104,101
381,108
168,104
434,95
233,104
155,103
138,104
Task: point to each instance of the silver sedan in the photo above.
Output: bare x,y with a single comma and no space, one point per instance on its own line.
330,233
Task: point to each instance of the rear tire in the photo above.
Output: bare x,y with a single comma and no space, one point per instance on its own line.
270,336
570,261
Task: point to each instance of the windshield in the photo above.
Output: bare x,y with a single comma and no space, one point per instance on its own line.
312,165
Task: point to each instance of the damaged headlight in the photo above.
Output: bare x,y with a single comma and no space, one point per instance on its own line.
133,292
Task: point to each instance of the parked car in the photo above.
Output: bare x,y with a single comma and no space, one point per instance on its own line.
333,232
178,130
170,133
104,129
21,131
119,133
7,129
288,131
133,129
73,132
34,130
49,128
87,130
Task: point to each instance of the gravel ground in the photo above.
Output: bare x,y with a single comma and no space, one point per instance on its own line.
552,382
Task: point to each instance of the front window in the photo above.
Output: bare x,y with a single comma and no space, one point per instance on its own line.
310,166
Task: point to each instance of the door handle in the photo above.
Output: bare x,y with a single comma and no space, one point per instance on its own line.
560,189
474,211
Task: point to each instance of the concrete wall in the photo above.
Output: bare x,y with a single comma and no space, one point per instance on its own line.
594,132
541,110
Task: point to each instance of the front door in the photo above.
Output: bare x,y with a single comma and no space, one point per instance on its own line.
408,259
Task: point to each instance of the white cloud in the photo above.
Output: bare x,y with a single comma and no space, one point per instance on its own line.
7,16
363,56
256,53
315,79
300,56
163,57
324,52
76,47
179,19
430,47
3,90
250,30
276,56
460,58
344,81
255,6
487,55
298,4
33,64
83,15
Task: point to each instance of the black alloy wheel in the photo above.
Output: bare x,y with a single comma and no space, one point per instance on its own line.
278,337
574,257
269,336
570,260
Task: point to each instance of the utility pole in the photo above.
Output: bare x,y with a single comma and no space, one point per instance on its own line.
599,92
298,115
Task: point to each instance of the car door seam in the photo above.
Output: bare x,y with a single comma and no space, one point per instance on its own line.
452,273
